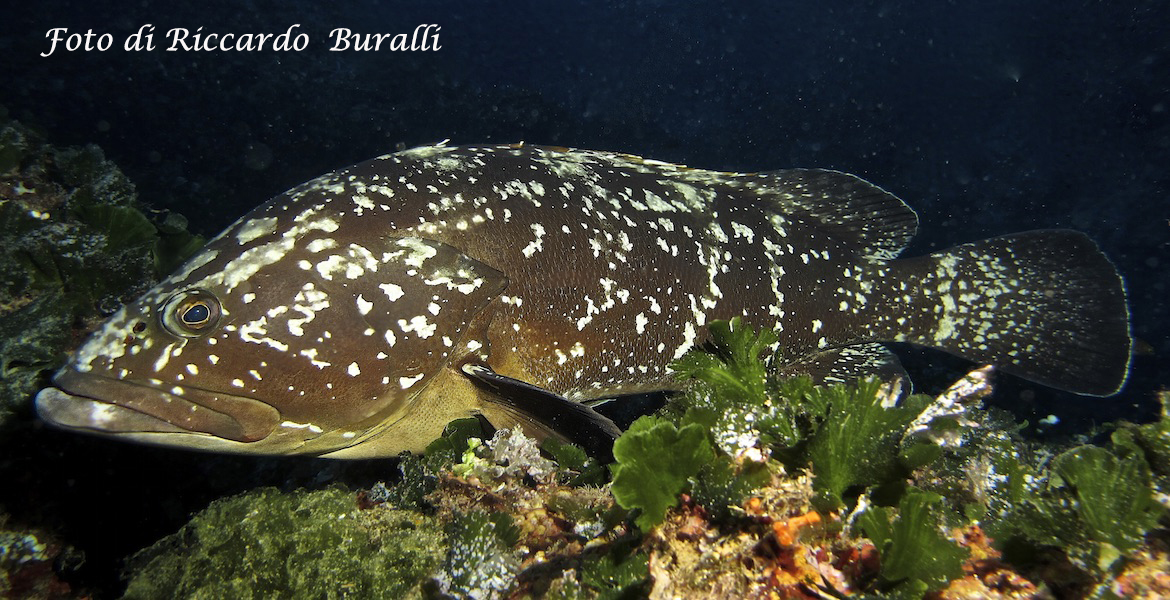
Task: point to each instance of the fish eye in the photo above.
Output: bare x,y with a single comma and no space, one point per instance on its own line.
190,313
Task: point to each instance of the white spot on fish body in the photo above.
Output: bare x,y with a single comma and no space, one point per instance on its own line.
242,267
321,244
688,340
393,291
294,425
311,354
407,382
330,265
255,228
418,252
163,358
536,245
419,325
364,306
363,203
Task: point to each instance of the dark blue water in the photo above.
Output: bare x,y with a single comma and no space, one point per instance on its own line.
986,117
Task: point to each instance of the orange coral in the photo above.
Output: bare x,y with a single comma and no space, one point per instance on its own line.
786,531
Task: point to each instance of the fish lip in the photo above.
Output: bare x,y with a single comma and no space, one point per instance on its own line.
92,402
69,411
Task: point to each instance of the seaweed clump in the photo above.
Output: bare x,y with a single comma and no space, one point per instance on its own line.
266,544
520,522
849,489
1087,512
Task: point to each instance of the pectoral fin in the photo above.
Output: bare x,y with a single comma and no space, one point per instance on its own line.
545,411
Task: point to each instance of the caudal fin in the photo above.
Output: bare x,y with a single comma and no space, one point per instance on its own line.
1045,305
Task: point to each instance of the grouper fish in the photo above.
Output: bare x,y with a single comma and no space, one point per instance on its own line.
357,314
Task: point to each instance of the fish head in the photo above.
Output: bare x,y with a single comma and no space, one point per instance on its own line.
294,331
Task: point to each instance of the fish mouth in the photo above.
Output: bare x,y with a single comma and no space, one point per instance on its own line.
98,404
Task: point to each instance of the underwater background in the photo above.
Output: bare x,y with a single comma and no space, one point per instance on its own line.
985,117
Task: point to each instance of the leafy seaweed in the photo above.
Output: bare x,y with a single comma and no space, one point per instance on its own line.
733,369
1113,499
722,485
1093,503
454,440
122,227
915,556
736,398
1154,441
575,467
616,575
654,461
175,244
509,455
850,434
858,441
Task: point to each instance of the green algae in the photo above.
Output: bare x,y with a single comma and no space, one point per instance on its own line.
722,485
858,441
733,394
851,435
32,339
915,556
420,472
1153,439
616,575
508,455
575,466
267,544
1092,504
655,460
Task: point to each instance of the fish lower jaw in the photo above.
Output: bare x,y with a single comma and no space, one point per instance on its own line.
102,404
69,411
86,415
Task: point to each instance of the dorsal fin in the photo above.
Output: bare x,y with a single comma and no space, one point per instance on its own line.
846,205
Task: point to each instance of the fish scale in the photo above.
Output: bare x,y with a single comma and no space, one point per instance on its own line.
356,314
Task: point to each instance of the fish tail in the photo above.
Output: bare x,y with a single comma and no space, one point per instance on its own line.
1045,305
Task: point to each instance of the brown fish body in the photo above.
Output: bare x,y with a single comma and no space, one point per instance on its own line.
357,314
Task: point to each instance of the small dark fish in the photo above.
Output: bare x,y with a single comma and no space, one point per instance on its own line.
357,314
